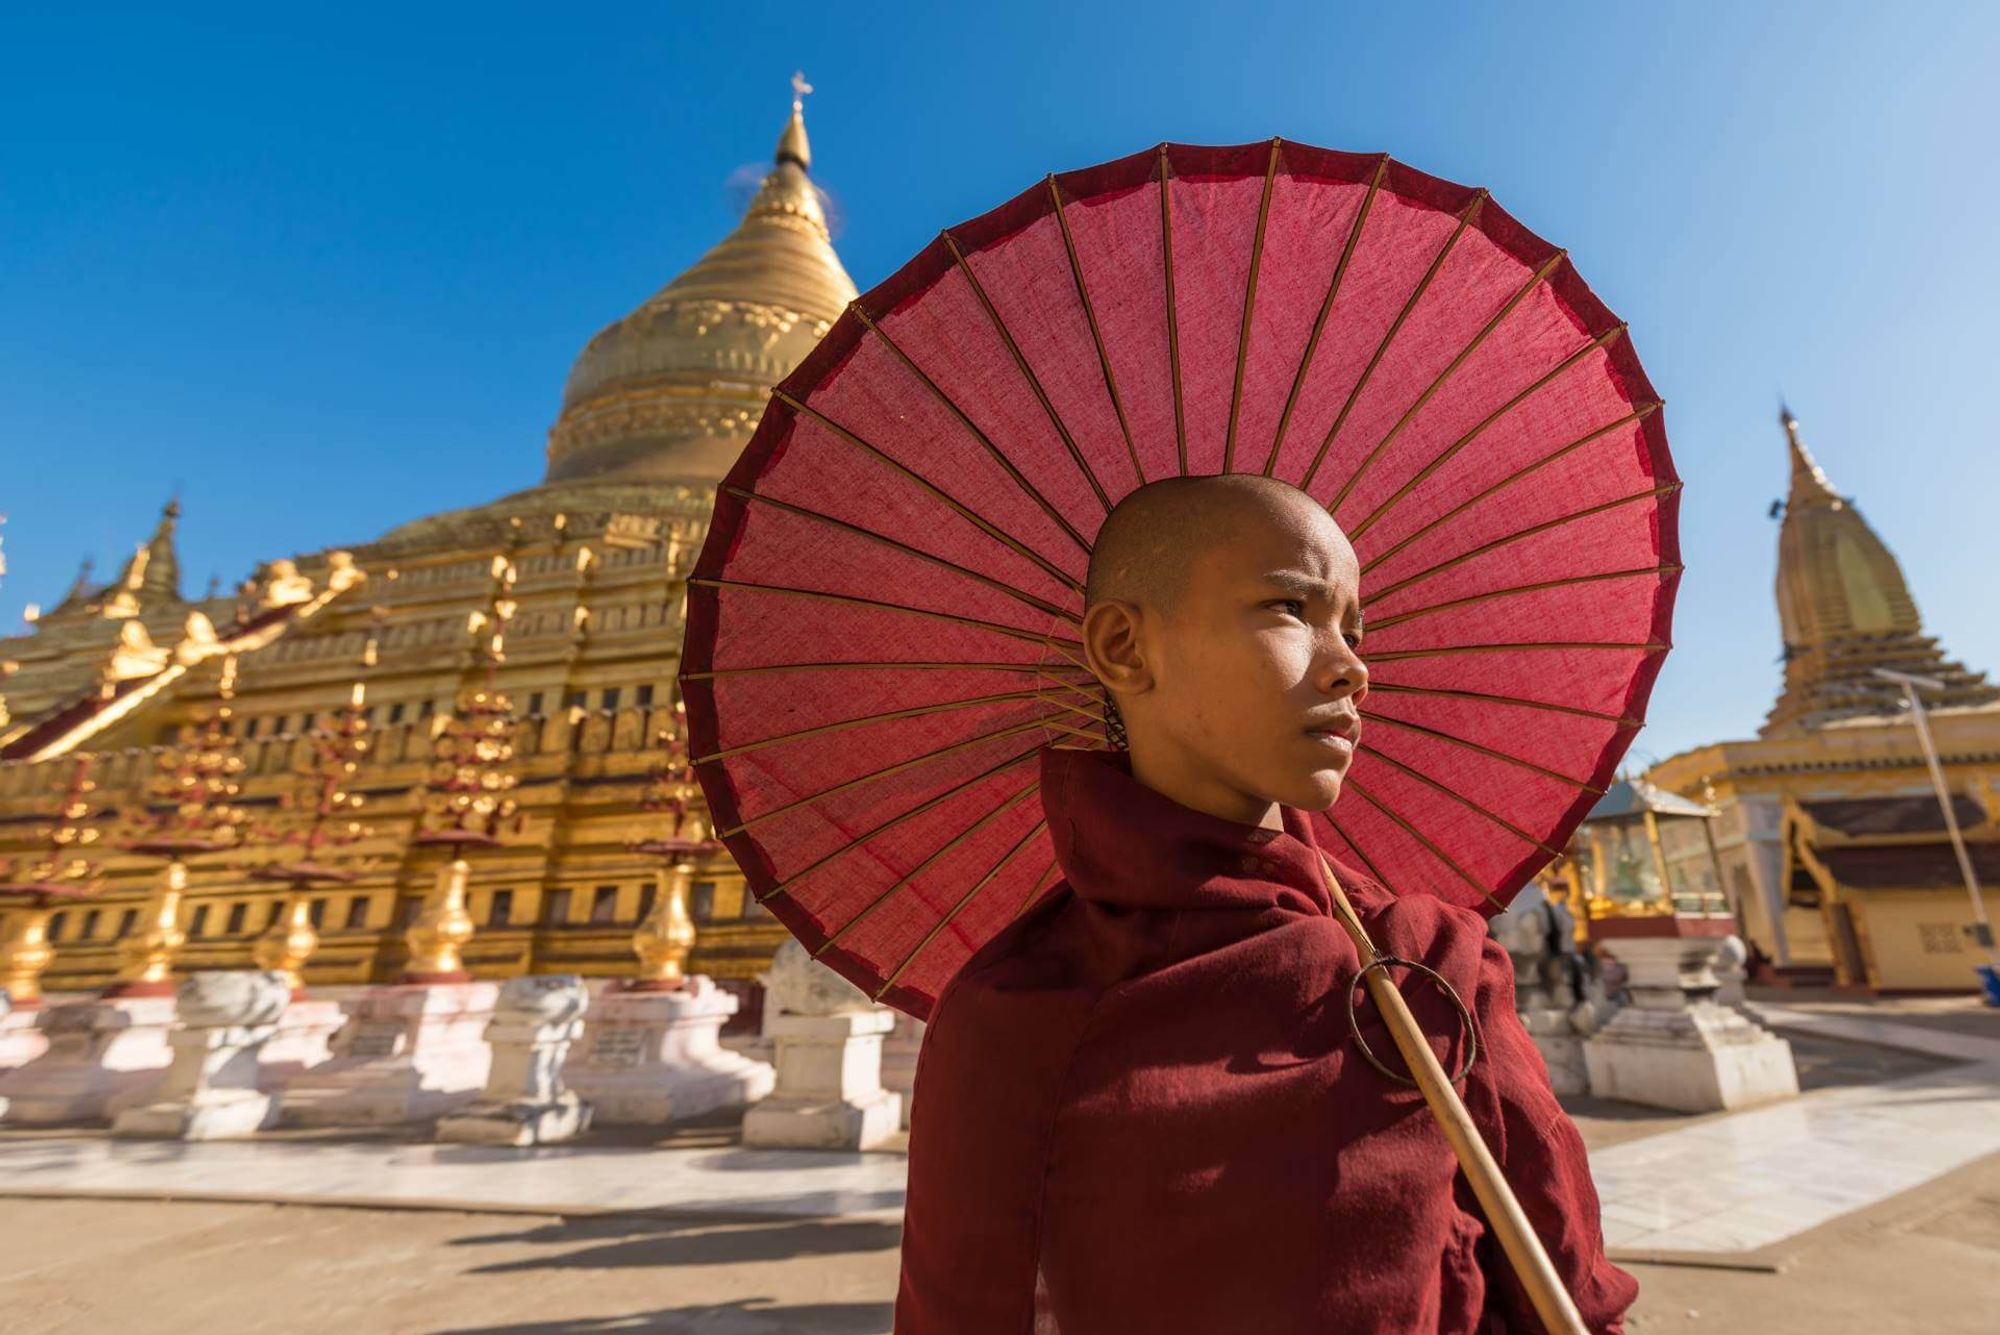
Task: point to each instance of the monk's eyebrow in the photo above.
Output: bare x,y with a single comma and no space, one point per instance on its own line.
1295,582
1302,585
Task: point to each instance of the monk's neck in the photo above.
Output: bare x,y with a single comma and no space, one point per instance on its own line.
1193,786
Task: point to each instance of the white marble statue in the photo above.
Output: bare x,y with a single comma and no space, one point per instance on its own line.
525,1103
828,1038
211,1090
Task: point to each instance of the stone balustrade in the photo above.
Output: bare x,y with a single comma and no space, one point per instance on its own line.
465,1062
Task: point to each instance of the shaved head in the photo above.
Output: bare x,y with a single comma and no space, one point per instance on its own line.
1222,616
1153,538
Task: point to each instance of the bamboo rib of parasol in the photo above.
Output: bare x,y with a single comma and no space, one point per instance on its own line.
1503,1210
921,498
902,546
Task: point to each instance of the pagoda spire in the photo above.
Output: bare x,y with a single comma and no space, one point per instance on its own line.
81,590
1846,609
153,574
1809,484
792,144
787,192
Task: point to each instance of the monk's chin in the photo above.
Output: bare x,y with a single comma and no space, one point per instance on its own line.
1317,791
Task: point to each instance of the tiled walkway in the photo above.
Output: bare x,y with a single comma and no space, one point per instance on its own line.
704,1181
1723,1184
1754,1178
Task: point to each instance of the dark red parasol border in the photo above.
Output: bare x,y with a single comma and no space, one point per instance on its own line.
1036,202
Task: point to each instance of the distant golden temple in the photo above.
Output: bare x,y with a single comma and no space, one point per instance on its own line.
656,409
1829,836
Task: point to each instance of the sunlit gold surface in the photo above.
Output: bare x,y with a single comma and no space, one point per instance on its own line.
24,953
666,937
661,406
671,390
148,957
1845,609
289,942
153,574
443,926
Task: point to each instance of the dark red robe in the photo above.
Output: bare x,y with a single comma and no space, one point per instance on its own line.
1139,1110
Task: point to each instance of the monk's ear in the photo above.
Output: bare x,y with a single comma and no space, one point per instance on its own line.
1113,648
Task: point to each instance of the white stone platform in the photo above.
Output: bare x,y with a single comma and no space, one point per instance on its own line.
408,1053
651,1058
557,1179
103,1055
1727,1183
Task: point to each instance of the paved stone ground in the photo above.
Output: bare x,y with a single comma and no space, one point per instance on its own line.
1927,1261
1950,1014
1822,1063
1923,1260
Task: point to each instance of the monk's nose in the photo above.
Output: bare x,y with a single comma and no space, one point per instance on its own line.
1348,670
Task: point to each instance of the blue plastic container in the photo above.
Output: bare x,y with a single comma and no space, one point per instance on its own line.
1989,981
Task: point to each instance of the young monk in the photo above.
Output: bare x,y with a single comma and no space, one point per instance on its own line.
1139,1109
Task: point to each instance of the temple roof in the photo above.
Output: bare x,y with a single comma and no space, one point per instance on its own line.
134,671
1845,609
1631,799
672,391
1914,813
1931,866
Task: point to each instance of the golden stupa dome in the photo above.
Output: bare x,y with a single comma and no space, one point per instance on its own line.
672,391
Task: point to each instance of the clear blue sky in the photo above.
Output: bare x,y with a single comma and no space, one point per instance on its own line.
324,269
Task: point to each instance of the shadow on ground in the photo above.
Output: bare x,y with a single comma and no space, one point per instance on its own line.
616,1242
748,1317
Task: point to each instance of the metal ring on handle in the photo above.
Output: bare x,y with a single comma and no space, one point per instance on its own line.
1464,1015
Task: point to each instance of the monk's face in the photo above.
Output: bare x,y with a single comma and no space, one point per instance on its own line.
1249,684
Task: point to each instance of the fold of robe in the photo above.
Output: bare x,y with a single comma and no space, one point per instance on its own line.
1139,1107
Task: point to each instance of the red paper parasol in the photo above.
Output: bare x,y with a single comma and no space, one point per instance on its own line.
882,623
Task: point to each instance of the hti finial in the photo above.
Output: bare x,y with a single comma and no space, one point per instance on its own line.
1809,484
792,144
1790,422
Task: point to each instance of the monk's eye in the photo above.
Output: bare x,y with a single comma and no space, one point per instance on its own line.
1353,638
1298,607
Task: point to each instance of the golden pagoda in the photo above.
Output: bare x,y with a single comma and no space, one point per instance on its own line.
1829,841
656,409
670,392
1845,610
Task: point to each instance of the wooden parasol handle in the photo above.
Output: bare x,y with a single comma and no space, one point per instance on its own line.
1503,1211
